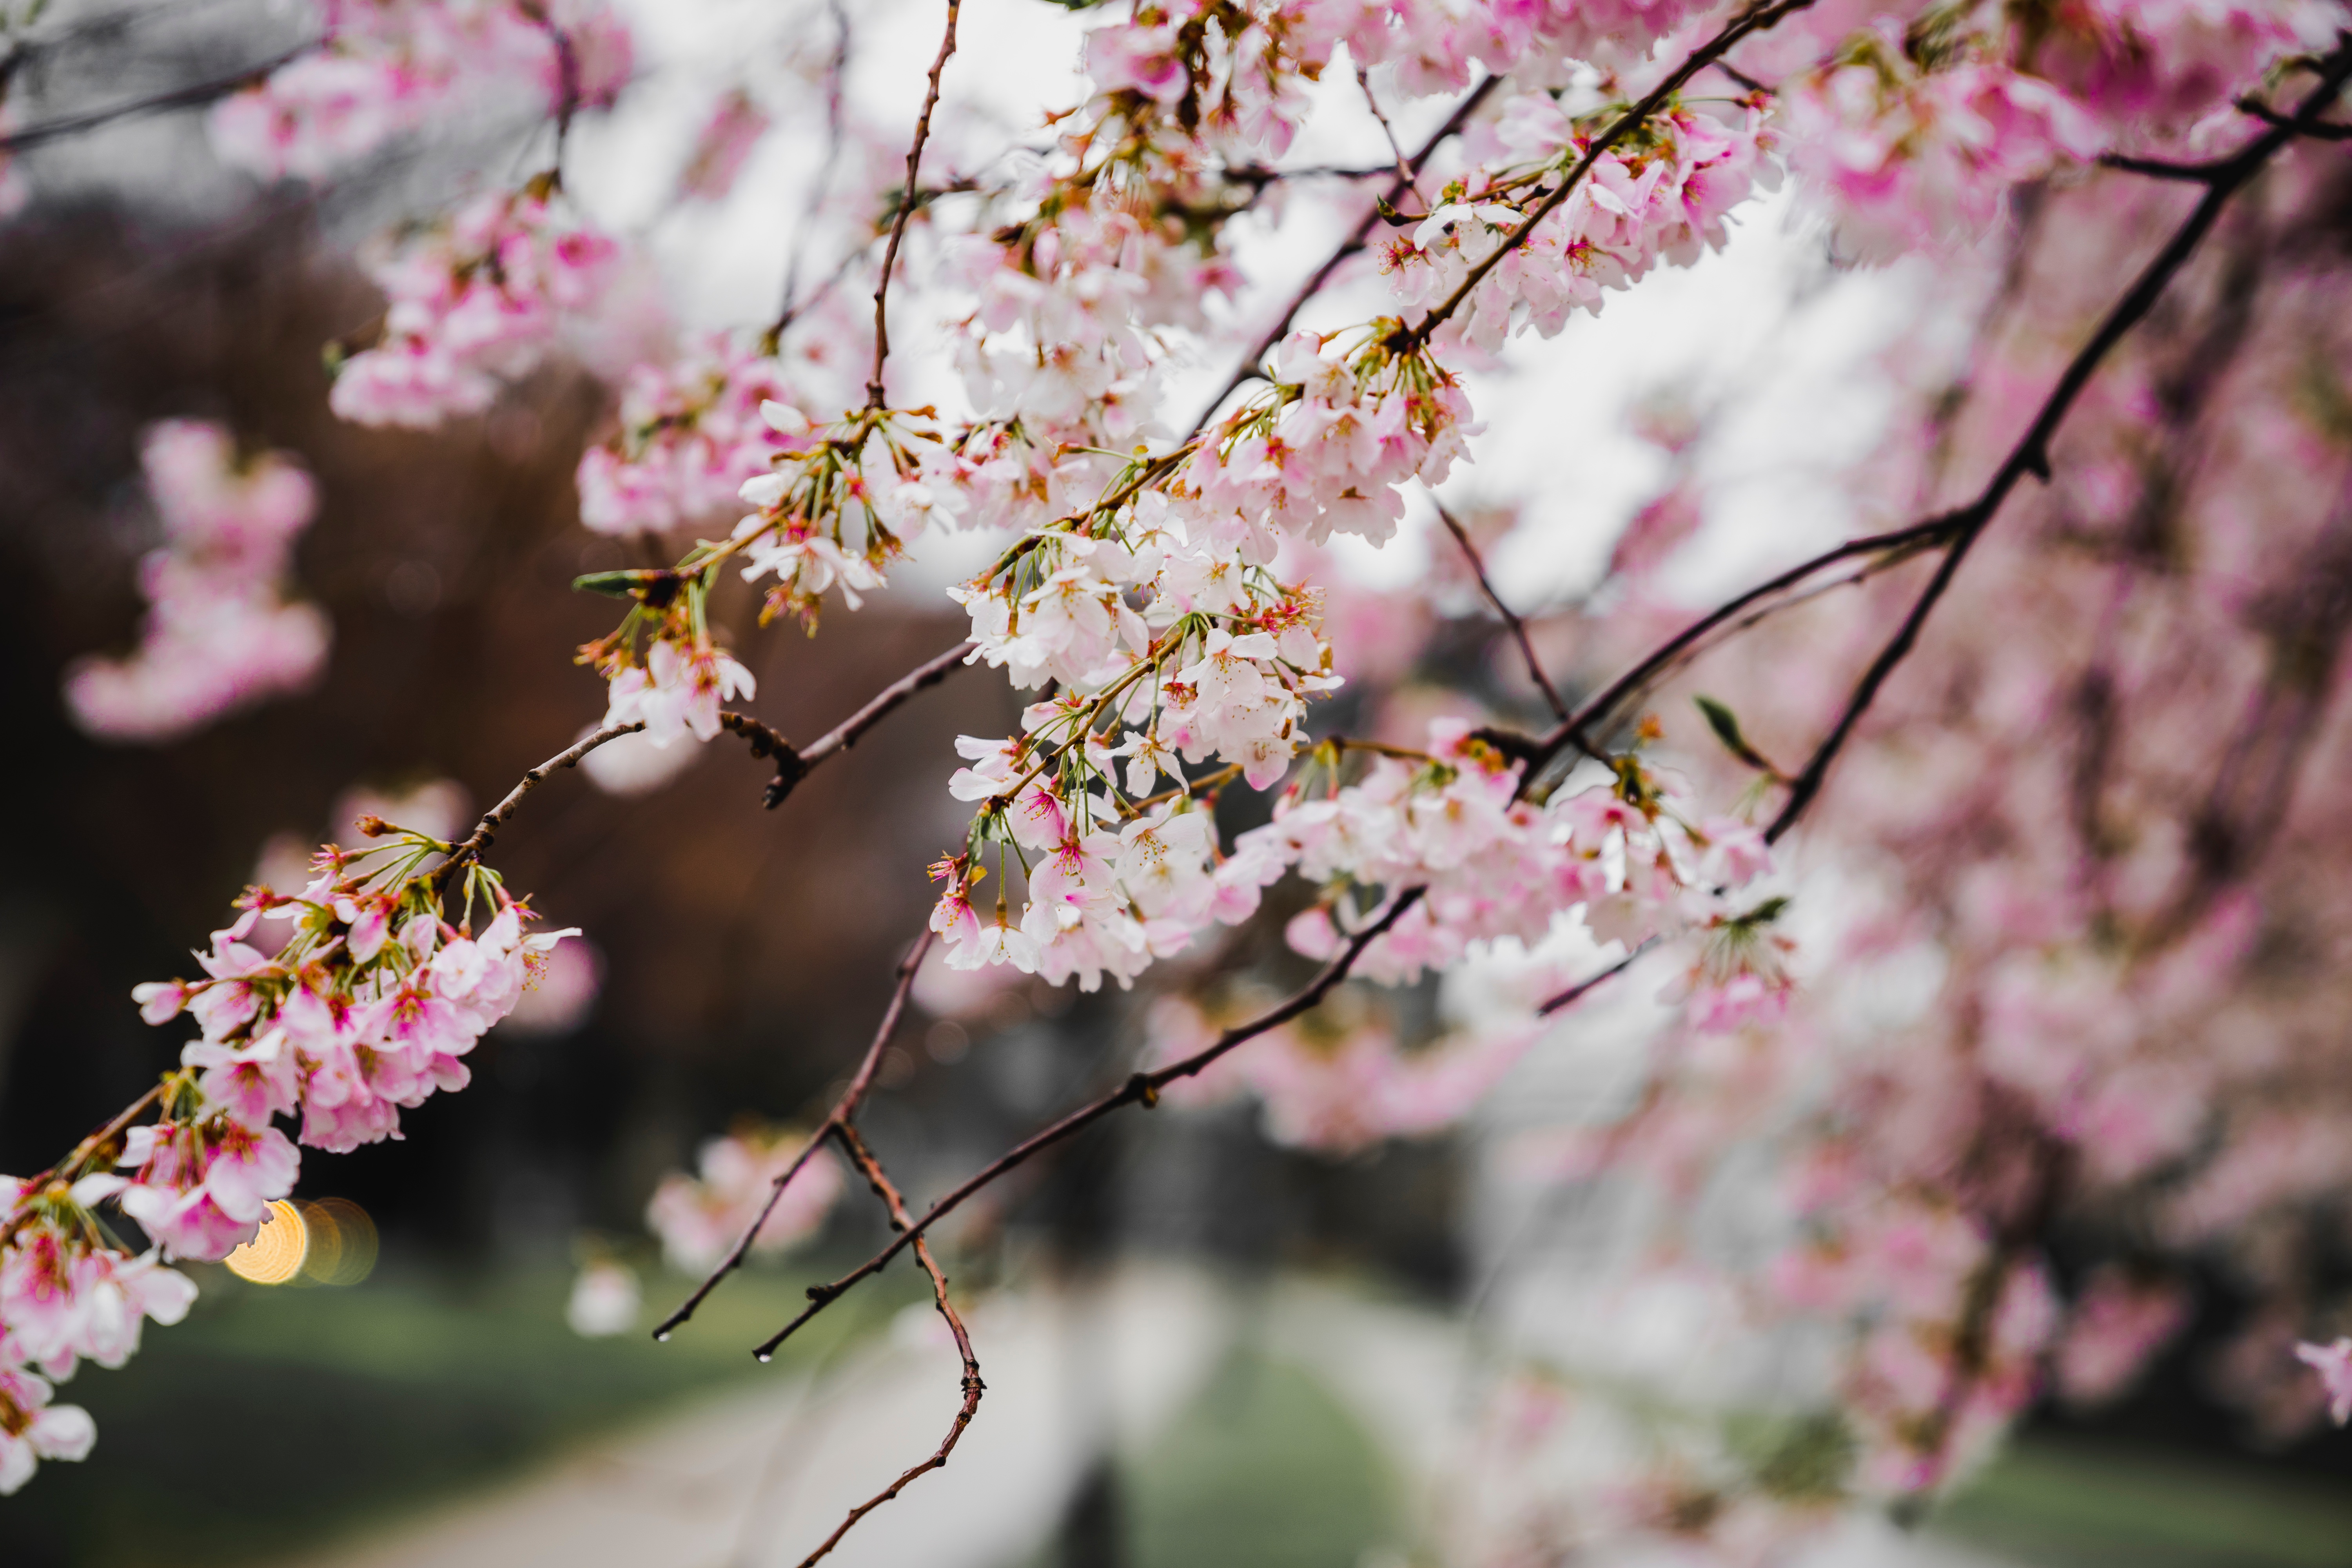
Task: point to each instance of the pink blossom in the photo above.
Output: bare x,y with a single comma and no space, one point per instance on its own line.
2334,1365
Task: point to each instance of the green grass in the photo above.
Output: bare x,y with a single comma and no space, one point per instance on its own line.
1265,1470
2053,1504
275,1420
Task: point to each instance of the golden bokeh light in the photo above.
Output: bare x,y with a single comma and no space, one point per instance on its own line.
342,1242
275,1253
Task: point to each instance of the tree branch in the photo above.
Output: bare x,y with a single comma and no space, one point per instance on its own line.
1518,628
191,97
873,397
470,848
885,1189
2031,454
1140,1088
793,764
844,1107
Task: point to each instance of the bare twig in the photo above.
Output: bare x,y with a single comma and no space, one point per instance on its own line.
873,396
190,97
887,1190
470,848
1404,171
844,1107
1140,1088
1576,993
795,763
1510,618
836,72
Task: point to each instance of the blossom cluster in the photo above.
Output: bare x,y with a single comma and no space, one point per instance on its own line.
370,1005
700,1218
386,66
472,302
219,634
1663,192
691,435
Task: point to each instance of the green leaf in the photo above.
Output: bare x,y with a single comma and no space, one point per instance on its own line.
1726,725
619,585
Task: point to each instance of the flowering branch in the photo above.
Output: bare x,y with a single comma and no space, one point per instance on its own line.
1249,368
1140,1088
1755,19
2031,454
873,396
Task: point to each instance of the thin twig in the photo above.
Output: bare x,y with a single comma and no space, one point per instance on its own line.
190,97
470,848
1575,994
1404,170
1140,1088
887,1190
1510,618
873,397
844,1107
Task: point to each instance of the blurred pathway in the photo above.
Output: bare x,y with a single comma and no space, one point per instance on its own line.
757,1478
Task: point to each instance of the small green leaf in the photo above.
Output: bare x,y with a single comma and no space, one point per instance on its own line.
619,585
1726,725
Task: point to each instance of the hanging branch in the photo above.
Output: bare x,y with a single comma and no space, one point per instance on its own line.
874,397
1140,1088
885,1189
1518,628
844,1107
191,97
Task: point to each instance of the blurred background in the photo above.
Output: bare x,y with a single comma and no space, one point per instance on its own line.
1202,1347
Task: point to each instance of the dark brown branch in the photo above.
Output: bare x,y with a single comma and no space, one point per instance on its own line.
1755,19
795,763
191,97
1510,618
1140,1088
471,847
844,1107
2295,124
887,1190
2031,454
1579,727
1576,993
873,397
1348,247
2161,169
34,1185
